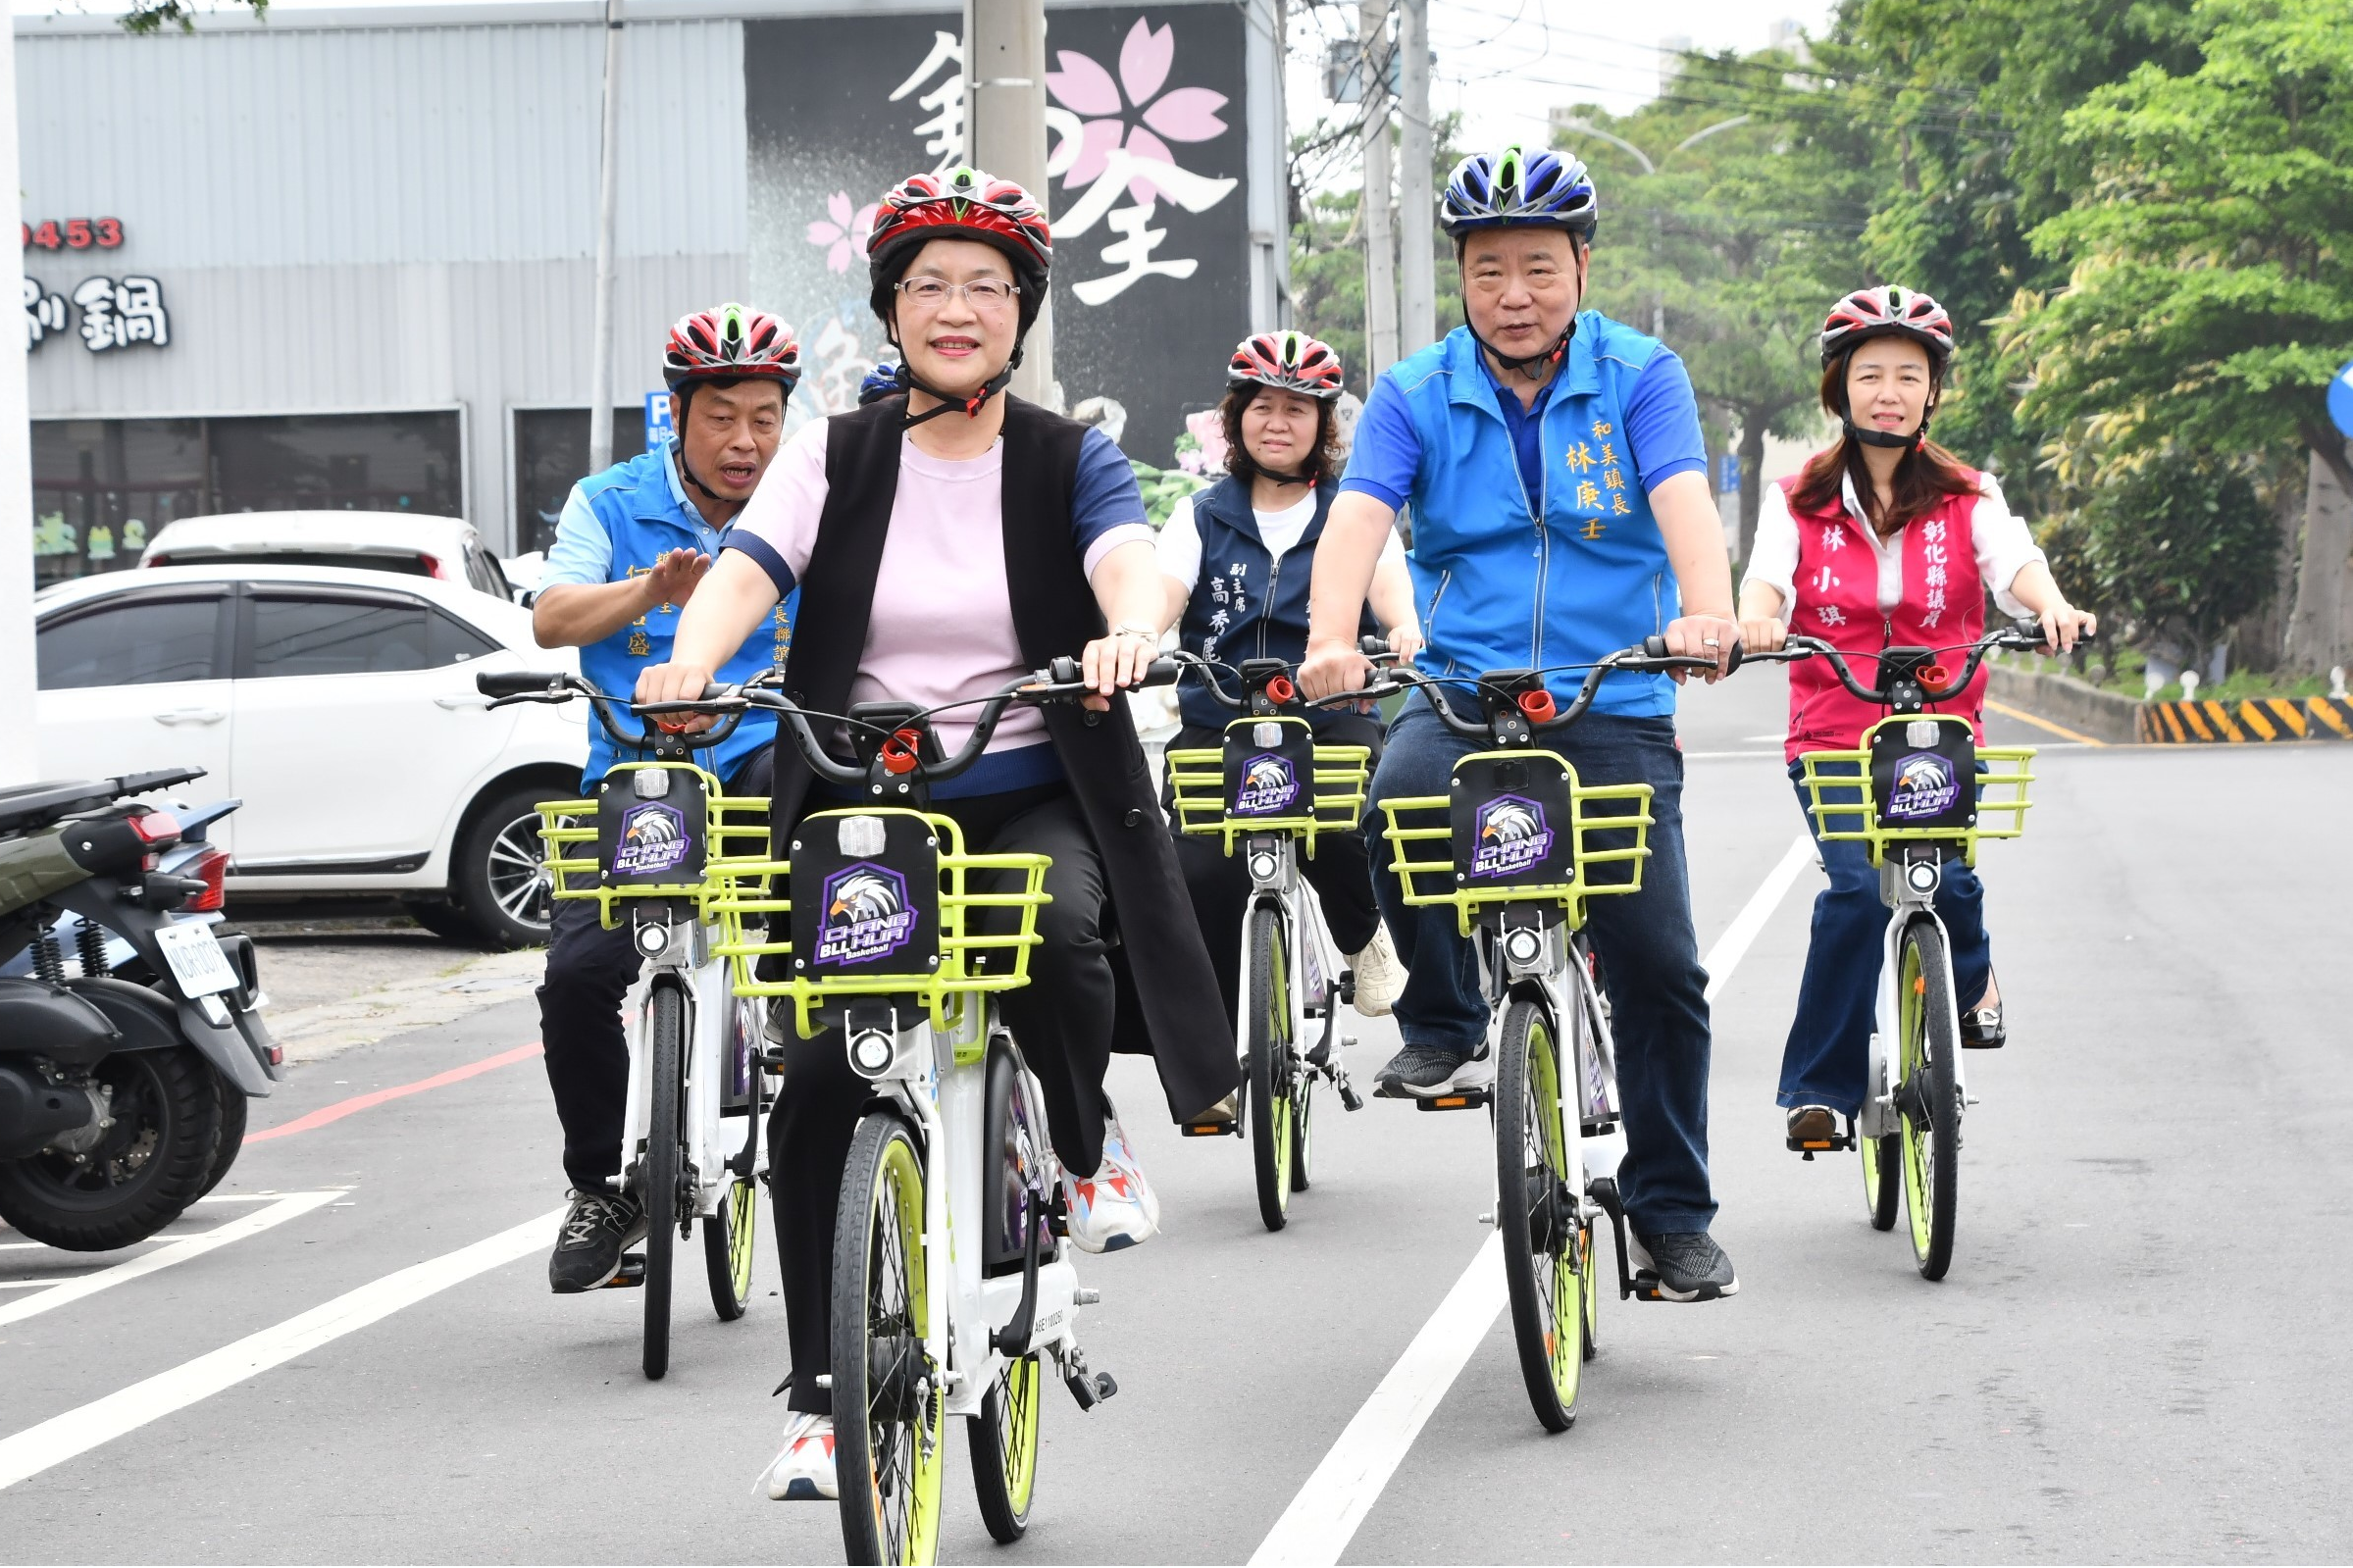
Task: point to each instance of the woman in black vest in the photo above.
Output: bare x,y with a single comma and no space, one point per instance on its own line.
1236,560
949,540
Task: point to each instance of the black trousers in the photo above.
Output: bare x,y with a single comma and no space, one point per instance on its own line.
1061,1019
1341,871
589,970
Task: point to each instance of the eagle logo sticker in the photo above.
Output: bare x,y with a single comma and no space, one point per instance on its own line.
653,840
1269,785
1511,837
866,915
1923,787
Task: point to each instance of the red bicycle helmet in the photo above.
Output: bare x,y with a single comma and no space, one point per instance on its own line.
1291,361
733,342
1889,311
961,204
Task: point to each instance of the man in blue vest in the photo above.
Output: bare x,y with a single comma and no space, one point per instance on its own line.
630,547
1558,481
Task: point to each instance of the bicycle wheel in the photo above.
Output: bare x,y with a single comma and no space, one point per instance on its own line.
1882,1178
667,1031
1928,1097
889,1409
1004,1448
1270,1057
1302,1126
727,1243
1544,1255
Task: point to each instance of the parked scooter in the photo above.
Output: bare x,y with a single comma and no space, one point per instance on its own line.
129,1051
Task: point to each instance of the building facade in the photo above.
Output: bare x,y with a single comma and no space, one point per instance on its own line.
346,258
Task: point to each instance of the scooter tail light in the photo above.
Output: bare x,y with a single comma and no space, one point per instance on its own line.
156,827
214,870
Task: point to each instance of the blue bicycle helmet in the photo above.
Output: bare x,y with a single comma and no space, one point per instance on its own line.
1515,189
881,381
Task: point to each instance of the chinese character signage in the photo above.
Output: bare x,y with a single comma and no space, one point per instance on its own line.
116,313
1145,161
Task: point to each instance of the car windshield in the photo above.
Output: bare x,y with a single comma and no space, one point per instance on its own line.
409,565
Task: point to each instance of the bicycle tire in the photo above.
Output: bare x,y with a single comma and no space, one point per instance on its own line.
1004,1447
1882,1178
1270,1065
890,1407
1303,1128
1546,1255
1928,1095
728,1240
666,1032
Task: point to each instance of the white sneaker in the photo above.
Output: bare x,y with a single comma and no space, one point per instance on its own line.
1115,1207
803,1471
1379,976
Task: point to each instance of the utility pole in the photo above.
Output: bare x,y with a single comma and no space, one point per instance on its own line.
600,355
20,759
1417,214
1380,244
1004,133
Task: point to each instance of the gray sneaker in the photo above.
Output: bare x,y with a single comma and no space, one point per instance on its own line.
1424,1072
1681,1266
597,1230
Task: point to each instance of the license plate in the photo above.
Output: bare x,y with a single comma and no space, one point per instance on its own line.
196,959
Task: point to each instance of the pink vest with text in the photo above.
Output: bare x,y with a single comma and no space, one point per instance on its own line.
1943,603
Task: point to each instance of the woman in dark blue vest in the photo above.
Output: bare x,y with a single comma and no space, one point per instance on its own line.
1237,558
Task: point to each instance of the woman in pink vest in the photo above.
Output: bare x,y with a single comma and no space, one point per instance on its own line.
1884,538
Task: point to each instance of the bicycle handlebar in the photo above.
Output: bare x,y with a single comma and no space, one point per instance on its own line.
900,751
2024,634
1526,711
557,687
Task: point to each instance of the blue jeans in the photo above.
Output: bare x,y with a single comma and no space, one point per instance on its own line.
1829,1041
1650,959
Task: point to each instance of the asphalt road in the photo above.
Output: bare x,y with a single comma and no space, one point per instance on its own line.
2139,1354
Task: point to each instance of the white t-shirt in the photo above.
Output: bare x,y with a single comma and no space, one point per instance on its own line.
1179,544
2003,545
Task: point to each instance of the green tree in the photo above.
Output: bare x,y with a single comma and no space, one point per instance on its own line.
153,16
2210,254
2173,547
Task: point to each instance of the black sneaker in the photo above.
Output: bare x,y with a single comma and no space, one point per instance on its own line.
1682,1266
1424,1072
600,1226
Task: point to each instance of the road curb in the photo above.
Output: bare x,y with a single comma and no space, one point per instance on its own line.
2102,715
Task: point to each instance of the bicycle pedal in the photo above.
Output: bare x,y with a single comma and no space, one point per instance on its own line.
1090,1388
1811,1147
1212,1129
632,1274
1468,1099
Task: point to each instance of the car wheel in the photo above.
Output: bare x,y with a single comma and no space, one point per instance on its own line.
445,920
496,881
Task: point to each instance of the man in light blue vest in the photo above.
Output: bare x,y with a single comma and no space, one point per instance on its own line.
1561,511
630,545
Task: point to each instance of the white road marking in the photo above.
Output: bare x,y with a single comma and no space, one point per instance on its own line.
1323,1517
77,1431
283,1206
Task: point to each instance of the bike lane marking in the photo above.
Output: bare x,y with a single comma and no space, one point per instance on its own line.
373,1098
1321,1520
77,1431
73,1287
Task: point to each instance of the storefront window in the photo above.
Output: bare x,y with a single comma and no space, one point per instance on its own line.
102,488
552,455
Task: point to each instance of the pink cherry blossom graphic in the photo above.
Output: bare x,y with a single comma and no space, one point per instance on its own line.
845,232
1085,88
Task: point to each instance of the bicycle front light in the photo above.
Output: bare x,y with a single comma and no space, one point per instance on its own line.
870,1053
649,783
1262,866
860,838
1266,735
651,939
1523,946
1921,873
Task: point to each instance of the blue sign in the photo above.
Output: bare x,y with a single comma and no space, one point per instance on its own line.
2340,400
658,429
1728,464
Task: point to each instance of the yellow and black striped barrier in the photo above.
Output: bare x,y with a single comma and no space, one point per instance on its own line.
2253,720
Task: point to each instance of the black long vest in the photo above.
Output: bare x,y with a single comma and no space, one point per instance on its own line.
1169,992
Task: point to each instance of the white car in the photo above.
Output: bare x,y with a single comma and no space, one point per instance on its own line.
339,705
444,548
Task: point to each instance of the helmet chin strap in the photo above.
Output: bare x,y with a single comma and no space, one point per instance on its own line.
1519,367
687,470
945,402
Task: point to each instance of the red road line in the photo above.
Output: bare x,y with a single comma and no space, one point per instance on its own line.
360,1103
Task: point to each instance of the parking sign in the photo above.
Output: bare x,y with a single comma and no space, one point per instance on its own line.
658,429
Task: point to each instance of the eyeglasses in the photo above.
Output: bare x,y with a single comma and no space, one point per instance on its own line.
982,293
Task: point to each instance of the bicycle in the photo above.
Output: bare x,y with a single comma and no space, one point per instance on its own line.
1272,789
1907,793
658,834
951,1283
1520,848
